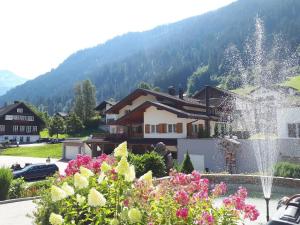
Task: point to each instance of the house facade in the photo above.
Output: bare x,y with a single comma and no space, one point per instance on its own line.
18,123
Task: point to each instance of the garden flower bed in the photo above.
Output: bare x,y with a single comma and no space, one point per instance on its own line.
106,191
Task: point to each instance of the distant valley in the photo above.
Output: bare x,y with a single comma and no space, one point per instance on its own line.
9,80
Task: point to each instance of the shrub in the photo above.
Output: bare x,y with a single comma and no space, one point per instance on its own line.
6,177
187,165
17,188
114,196
93,123
37,188
148,161
287,169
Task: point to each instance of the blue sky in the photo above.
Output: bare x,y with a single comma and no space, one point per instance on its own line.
37,35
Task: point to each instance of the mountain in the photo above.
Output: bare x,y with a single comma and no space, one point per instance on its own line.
167,55
9,80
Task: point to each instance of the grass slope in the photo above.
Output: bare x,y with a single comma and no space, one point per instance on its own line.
293,82
243,91
52,150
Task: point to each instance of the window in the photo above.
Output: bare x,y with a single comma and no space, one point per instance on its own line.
27,139
174,128
15,128
292,132
152,128
170,128
28,129
19,110
195,128
22,128
30,118
2,128
9,117
34,129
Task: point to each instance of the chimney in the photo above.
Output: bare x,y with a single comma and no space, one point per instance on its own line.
180,93
171,90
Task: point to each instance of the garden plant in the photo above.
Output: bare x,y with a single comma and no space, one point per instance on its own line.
106,191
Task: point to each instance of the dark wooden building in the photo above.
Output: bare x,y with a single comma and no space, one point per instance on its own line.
18,123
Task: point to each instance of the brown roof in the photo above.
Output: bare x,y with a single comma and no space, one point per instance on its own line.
159,95
136,115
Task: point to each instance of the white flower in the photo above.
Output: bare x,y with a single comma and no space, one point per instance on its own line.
123,166
147,178
80,181
101,178
57,193
95,198
134,215
86,172
80,199
121,150
56,219
105,167
130,175
68,189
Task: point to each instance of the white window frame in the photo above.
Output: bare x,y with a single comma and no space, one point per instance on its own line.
2,128
152,128
28,129
19,110
15,128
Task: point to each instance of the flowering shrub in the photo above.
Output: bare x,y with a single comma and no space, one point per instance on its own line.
109,193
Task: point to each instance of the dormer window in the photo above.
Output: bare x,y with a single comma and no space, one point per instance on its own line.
19,110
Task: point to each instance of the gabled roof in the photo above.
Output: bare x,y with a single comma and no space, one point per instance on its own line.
225,92
159,95
103,104
6,109
137,113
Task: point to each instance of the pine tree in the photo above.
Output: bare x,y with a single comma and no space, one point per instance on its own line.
79,103
187,165
89,99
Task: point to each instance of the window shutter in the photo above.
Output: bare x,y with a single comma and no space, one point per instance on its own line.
147,128
189,129
158,128
179,127
164,128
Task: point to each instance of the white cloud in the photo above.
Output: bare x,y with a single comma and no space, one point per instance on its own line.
37,35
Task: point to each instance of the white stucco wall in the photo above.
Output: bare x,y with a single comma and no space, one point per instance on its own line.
284,117
153,116
33,138
135,103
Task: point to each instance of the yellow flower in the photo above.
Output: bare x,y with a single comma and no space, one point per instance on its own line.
147,178
121,150
80,181
95,198
101,178
80,199
56,219
68,189
134,215
123,166
114,222
86,172
57,193
130,175
105,167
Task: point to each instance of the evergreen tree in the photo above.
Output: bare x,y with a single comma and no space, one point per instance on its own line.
79,103
56,126
73,124
89,99
85,100
187,165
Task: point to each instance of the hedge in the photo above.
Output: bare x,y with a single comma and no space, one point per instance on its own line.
287,169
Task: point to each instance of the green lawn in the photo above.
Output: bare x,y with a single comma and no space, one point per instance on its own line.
293,82
52,150
45,134
244,91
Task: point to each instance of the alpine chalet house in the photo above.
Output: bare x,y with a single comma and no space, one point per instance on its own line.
146,117
18,123
101,108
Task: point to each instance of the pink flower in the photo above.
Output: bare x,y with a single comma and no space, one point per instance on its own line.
219,189
206,219
250,212
182,198
242,192
182,213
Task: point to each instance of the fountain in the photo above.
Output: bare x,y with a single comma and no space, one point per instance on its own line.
257,112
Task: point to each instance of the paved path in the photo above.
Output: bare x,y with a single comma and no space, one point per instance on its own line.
7,161
15,213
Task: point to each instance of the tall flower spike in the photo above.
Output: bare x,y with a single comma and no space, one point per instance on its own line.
86,172
56,219
147,178
123,166
130,175
121,150
80,181
57,193
95,198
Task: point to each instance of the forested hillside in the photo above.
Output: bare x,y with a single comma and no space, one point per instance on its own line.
9,80
190,51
